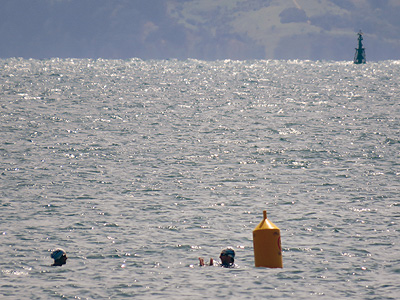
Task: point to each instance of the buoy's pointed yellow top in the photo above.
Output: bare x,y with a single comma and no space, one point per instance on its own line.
265,223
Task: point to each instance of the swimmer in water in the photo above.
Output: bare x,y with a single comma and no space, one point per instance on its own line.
59,256
227,257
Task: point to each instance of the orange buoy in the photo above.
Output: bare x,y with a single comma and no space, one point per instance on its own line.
267,244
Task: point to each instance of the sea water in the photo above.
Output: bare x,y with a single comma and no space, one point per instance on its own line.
137,168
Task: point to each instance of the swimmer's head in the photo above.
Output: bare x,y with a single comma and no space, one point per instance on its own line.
59,256
227,257
228,252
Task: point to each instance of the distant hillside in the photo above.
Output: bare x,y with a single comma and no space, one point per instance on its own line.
202,29
304,29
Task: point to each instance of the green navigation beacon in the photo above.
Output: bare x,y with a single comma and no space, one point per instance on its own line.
359,57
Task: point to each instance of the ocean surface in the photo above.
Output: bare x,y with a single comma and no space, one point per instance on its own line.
137,168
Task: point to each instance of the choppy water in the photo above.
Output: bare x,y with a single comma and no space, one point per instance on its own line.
136,168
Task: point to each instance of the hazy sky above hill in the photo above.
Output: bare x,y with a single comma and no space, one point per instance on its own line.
201,29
